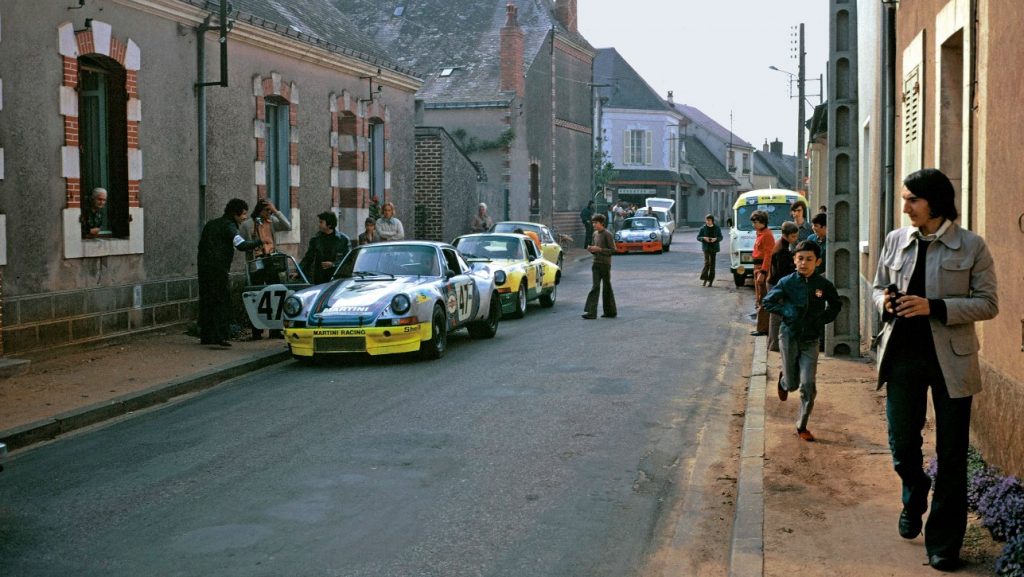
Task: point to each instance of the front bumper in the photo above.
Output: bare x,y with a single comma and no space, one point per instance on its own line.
645,246
306,342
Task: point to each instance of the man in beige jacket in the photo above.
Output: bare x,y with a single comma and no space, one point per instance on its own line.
934,281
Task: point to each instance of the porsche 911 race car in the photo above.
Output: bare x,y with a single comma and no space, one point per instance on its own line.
549,247
640,234
520,273
393,297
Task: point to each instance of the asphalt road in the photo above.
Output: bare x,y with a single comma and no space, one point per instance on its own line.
562,447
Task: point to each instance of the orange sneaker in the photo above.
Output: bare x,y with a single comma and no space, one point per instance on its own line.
805,435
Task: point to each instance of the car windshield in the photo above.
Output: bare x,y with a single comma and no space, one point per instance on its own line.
512,226
639,223
390,259
492,247
777,214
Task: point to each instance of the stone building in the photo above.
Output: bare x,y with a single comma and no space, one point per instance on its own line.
308,112
510,82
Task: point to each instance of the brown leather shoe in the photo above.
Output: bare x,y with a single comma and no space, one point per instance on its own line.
805,435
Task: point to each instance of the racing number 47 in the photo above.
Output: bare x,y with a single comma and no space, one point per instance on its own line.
266,306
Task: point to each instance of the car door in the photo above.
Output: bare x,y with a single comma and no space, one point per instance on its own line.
460,290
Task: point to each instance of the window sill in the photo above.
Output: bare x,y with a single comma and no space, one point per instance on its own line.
77,247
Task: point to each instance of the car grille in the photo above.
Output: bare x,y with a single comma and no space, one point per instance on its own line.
339,345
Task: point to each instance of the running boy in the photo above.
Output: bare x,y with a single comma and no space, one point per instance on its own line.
807,302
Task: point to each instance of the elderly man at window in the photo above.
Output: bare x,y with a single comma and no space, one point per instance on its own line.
94,214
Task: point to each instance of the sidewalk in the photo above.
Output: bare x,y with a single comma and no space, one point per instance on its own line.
830,507
63,392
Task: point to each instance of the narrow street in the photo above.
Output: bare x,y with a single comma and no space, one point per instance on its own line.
563,447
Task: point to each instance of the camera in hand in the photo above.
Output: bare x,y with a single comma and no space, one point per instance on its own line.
894,294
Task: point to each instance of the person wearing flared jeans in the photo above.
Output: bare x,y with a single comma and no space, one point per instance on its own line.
799,367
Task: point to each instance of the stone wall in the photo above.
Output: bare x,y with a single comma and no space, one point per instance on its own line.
445,186
37,322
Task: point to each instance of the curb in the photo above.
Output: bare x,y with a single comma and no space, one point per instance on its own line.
746,553
47,429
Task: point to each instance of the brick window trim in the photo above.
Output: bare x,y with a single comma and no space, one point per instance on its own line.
98,38
264,87
351,119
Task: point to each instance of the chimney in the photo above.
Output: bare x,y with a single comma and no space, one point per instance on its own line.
764,148
777,147
565,12
512,54
670,101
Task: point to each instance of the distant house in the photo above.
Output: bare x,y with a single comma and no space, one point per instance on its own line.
639,133
715,188
106,96
736,154
772,168
510,81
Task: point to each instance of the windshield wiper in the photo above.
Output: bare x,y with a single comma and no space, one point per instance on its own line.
364,273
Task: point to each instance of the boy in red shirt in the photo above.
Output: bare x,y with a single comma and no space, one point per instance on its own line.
763,247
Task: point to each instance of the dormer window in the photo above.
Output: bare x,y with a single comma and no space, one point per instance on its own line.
447,72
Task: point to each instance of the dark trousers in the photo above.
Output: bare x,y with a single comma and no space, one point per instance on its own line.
905,406
214,307
708,272
602,274
588,234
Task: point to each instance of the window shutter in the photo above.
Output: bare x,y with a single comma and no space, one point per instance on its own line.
648,156
627,143
913,105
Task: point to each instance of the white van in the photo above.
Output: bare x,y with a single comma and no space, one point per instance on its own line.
775,202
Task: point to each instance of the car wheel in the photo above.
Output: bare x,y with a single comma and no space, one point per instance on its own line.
488,327
561,257
668,246
548,299
438,343
739,279
520,301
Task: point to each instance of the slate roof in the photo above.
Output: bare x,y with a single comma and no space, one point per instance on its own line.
315,22
782,167
430,35
706,122
640,175
628,89
709,167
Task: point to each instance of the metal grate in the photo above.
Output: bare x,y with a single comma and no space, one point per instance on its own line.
339,345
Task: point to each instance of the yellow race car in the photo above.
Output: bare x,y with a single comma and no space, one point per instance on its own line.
520,273
550,249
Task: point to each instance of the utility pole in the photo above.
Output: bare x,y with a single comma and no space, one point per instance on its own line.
801,152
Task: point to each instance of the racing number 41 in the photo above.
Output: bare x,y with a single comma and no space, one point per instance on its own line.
266,306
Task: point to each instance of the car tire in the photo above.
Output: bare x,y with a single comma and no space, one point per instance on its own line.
488,327
739,279
561,257
520,309
438,343
547,300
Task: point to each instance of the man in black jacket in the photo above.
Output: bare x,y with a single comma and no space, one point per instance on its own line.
325,251
219,240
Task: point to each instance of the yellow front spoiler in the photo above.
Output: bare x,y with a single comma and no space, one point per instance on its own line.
372,340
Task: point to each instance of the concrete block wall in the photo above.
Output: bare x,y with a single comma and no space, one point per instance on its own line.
37,322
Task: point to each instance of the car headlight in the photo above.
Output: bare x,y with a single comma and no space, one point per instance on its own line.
654,236
618,236
292,306
500,277
400,304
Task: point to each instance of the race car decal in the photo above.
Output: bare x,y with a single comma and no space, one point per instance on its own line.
338,332
453,300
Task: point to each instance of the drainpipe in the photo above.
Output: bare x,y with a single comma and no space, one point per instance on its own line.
889,133
201,85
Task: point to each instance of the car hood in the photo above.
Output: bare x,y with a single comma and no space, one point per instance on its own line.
662,203
639,233
369,297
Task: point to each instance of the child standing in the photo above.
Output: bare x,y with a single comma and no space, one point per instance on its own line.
710,237
807,302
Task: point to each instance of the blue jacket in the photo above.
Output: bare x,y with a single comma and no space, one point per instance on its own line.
805,304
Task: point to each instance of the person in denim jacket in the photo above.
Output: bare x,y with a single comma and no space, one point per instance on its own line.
807,302
934,281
